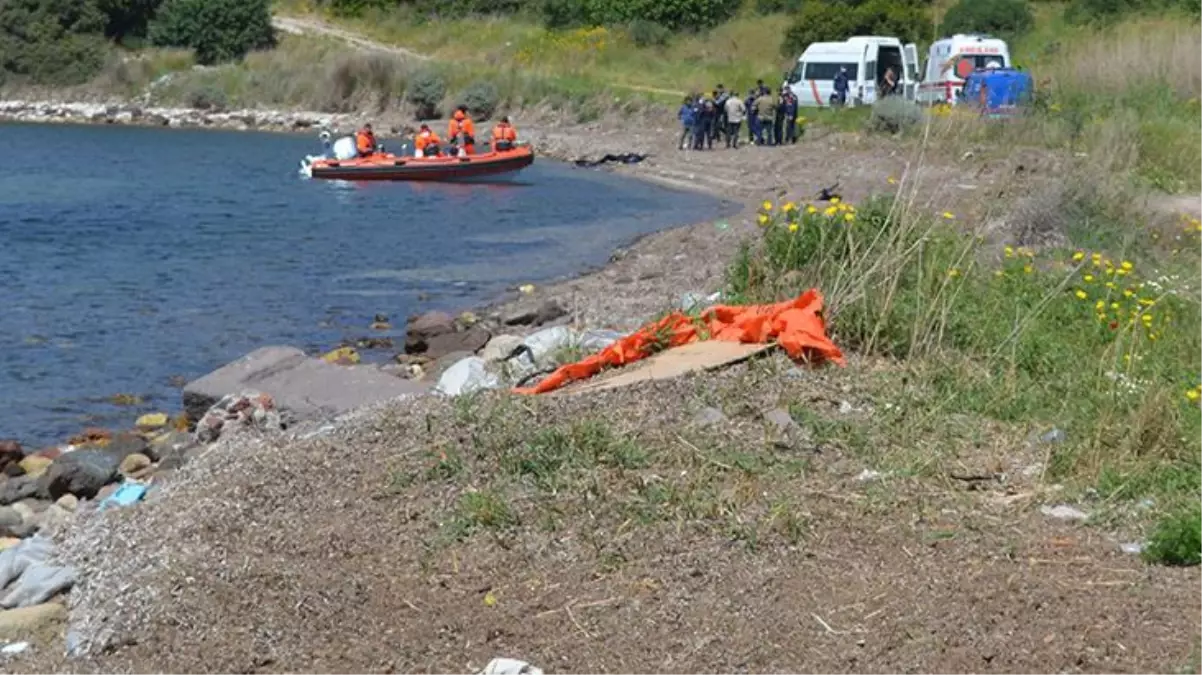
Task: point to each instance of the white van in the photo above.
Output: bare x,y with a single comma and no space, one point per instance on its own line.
952,59
866,59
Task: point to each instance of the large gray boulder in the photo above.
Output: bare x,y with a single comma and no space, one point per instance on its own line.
304,387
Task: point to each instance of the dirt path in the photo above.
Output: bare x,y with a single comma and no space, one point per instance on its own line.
295,25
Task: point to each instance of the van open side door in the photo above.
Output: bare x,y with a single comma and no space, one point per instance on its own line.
868,74
910,58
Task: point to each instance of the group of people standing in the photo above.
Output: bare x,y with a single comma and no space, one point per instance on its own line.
771,118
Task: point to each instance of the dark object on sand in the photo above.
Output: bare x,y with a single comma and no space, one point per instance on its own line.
828,193
626,158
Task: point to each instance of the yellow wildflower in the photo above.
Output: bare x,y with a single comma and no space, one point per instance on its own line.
793,227
1009,252
891,180
1193,394
1111,285
1146,318
1100,305
948,215
790,206
953,273
850,217
830,211
1128,293
811,209
999,273
1079,256
1082,294
767,205
1147,302
763,219
1088,277
1127,265
1113,305
835,200
1027,269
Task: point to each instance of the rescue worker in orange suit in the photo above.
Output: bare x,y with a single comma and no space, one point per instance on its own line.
462,131
504,136
427,143
365,141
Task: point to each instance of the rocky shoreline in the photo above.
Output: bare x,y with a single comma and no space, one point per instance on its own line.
125,113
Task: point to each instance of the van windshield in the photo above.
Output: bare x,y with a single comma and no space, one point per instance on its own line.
967,63
827,71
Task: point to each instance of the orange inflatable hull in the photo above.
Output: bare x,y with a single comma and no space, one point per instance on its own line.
394,167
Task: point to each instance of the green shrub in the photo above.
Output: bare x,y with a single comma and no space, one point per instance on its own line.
1177,539
425,92
777,6
1103,11
894,114
128,18
481,99
207,97
836,21
51,41
648,33
671,14
352,7
218,30
1002,17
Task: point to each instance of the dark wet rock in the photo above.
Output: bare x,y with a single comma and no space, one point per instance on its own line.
10,453
81,473
421,328
91,435
373,343
532,315
11,522
469,340
13,469
125,444
16,489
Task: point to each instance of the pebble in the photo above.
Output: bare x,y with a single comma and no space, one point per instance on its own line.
1063,512
1134,548
69,502
781,419
708,416
135,465
869,476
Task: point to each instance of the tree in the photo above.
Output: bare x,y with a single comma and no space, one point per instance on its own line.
1002,17
836,21
672,14
51,41
128,18
218,30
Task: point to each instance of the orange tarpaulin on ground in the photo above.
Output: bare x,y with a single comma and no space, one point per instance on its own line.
796,325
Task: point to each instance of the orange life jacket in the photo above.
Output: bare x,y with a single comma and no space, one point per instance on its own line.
504,132
426,139
365,142
461,124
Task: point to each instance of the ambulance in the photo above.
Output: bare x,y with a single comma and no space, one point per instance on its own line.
951,60
864,58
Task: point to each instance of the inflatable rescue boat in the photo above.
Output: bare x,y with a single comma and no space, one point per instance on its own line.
345,164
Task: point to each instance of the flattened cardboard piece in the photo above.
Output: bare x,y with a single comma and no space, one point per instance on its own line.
671,363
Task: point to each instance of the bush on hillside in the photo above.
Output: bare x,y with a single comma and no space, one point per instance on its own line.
351,7
128,18
893,115
908,20
481,98
778,6
648,33
218,30
425,92
999,17
671,14
58,42
1102,11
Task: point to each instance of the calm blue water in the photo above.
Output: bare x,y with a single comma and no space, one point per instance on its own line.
131,256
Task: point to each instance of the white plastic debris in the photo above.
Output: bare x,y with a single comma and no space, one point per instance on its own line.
503,666
596,340
549,340
14,648
1063,512
869,476
466,376
1134,548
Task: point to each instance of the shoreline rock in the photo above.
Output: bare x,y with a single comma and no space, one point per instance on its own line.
125,113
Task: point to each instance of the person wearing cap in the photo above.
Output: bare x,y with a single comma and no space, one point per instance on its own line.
461,131
504,136
365,141
426,143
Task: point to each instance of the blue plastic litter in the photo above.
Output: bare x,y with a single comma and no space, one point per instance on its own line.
1005,89
128,494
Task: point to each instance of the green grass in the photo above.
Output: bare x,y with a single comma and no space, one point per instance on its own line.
1178,538
1090,341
